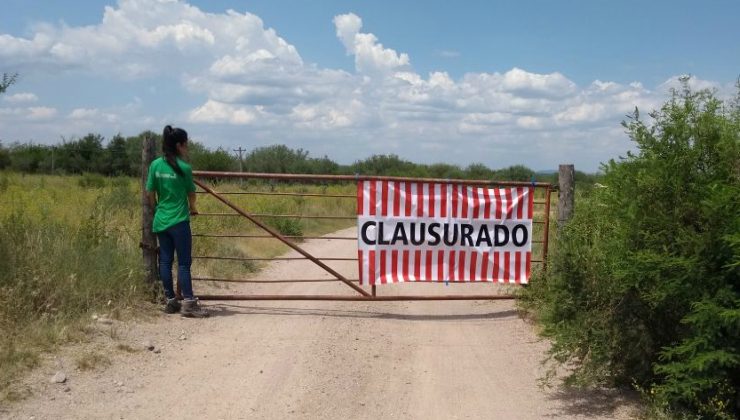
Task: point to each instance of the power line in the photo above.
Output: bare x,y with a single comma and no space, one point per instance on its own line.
240,151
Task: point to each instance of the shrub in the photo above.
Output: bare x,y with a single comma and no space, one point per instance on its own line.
643,285
287,226
120,196
89,180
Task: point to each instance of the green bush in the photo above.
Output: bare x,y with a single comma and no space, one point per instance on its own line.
643,287
89,180
287,226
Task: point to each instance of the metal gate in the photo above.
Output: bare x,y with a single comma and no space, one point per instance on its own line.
305,188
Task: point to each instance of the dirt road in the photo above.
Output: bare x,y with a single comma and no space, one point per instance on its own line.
327,360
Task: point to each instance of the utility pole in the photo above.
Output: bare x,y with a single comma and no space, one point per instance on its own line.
240,151
566,201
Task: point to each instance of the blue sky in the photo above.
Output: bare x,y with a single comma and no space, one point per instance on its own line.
532,82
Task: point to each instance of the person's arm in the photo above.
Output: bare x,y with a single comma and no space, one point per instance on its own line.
191,203
152,199
191,190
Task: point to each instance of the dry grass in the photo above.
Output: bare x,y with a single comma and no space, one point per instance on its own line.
91,360
126,348
69,247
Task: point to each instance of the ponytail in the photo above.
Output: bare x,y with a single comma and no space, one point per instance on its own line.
171,137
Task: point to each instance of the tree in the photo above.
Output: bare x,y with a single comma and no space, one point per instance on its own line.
277,159
8,79
117,160
203,159
644,284
389,165
478,171
446,171
323,165
515,173
4,157
84,155
28,157
133,149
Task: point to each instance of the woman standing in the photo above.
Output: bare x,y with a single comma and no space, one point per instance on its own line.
172,194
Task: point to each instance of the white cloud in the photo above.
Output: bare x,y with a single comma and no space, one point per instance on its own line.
348,26
526,83
21,98
93,116
529,122
242,80
34,113
144,38
370,55
83,113
219,112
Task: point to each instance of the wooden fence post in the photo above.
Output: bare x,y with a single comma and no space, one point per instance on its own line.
148,238
567,183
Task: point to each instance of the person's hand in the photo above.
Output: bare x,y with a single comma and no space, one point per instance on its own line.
193,211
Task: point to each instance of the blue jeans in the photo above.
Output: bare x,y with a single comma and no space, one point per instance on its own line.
177,238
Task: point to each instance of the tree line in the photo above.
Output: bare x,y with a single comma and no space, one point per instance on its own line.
121,156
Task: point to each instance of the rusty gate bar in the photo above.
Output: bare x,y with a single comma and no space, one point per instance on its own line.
285,216
277,235
265,281
215,257
283,194
228,235
374,297
302,216
355,178
364,296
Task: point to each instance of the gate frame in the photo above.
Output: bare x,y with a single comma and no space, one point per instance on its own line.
362,295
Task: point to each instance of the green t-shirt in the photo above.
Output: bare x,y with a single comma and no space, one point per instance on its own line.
172,193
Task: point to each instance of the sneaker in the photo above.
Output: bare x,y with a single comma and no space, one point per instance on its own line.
192,309
172,306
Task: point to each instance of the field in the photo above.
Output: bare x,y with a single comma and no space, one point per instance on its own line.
69,248
291,359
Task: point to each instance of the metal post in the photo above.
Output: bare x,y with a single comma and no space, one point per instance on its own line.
546,238
241,169
148,238
567,181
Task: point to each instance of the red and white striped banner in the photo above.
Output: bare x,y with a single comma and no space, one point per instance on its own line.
425,232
